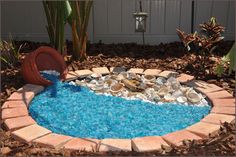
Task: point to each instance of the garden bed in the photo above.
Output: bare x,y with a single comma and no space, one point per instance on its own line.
164,57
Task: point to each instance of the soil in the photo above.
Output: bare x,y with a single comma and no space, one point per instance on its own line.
171,56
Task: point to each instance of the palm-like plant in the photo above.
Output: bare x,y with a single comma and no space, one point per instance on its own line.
57,13
79,22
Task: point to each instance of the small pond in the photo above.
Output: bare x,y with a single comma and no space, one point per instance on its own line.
76,110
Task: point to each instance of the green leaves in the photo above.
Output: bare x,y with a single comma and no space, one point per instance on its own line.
10,54
76,13
228,60
57,13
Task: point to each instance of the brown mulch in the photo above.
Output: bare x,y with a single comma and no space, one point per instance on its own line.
171,56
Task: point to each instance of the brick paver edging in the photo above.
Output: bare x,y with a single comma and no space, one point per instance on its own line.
22,127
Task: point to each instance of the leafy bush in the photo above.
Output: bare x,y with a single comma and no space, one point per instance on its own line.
205,43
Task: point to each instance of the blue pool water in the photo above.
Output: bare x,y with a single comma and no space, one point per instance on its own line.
78,112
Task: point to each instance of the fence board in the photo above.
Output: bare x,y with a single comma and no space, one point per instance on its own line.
100,17
172,17
112,20
157,16
114,16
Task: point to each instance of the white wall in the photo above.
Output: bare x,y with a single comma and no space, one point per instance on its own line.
112,20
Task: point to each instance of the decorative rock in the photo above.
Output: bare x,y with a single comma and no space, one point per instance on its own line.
167,74
31,87
96,75
135,70
101,70
184,78
29,133
53,140
115,145
117,69
149,143
224,110
14,112
71,75
26,93
131,85
13,104
153,72
86,144
181,99
218,118
19,122
5,150
177,138
83,73
192,96
203,129
117,87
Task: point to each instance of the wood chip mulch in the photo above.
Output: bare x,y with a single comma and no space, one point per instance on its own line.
171,56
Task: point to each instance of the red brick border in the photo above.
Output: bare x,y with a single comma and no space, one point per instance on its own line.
24,128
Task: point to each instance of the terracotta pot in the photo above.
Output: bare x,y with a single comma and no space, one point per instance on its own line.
44,58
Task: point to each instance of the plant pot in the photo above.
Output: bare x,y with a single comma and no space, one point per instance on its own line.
43,58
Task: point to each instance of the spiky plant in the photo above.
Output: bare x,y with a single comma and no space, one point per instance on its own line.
9,54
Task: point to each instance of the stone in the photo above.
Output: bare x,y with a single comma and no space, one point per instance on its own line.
177,138
184,78
218,118
30,133
26,93
204,87
5,150
14,104
53,140
218,95
86,144
203,129
31,87
167,74
19,122
117,69
83,73
71,75
224,110
115,145
224,102
101,70
149,143
153,72
14,112
135,70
